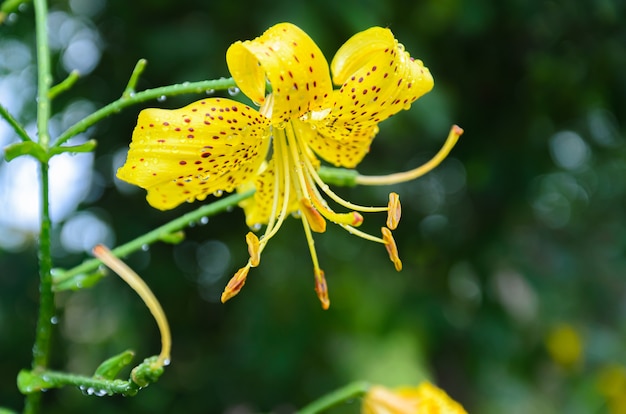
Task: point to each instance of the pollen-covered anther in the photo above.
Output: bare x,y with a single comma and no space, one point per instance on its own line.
235,284
253,249
392,249
312,216
394,211
321,288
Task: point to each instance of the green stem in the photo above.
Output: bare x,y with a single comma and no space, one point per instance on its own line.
41,348
44,78
148,94
17,127
350,391
157,234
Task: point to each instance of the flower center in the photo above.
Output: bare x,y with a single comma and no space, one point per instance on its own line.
296,178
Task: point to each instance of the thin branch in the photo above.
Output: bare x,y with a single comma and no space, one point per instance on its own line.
155,235
17,127
146,95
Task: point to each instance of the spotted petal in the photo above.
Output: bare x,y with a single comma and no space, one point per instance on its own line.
378,79
295,67
185,154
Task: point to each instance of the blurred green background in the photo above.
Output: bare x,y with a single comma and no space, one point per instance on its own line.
512,296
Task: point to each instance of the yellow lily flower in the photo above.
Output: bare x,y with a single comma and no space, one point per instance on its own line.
216,144
423,399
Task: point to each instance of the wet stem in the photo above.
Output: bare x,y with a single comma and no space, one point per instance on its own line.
43,333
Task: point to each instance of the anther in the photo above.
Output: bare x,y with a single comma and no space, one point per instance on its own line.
390,245
253,249
312,216
235,284
394,211
321,288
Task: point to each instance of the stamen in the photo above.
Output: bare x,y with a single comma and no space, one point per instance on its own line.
361,234
352,218
236,283
453,137
315,219
326,189
394,211
253,249
390,245
320,281
138,285
281,164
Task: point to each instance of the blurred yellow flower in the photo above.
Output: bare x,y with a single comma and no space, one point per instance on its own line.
565,346
423,399
216,144
611,383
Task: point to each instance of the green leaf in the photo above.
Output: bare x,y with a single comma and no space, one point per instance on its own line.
25,148
112,366
29,383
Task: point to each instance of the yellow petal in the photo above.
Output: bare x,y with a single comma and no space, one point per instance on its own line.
188,153
292,63
378,79
423,399
258,208
336,143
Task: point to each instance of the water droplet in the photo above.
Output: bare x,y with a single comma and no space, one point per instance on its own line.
210,91
11,18
256,226
230,208
218,193
296,214
166,362
204,220
132,94
91,390
100,393
54,320
23,7
162,98
145,247
233,90
186,83
192,224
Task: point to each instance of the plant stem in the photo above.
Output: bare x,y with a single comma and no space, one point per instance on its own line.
157,234
43,333
148,94
350,391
